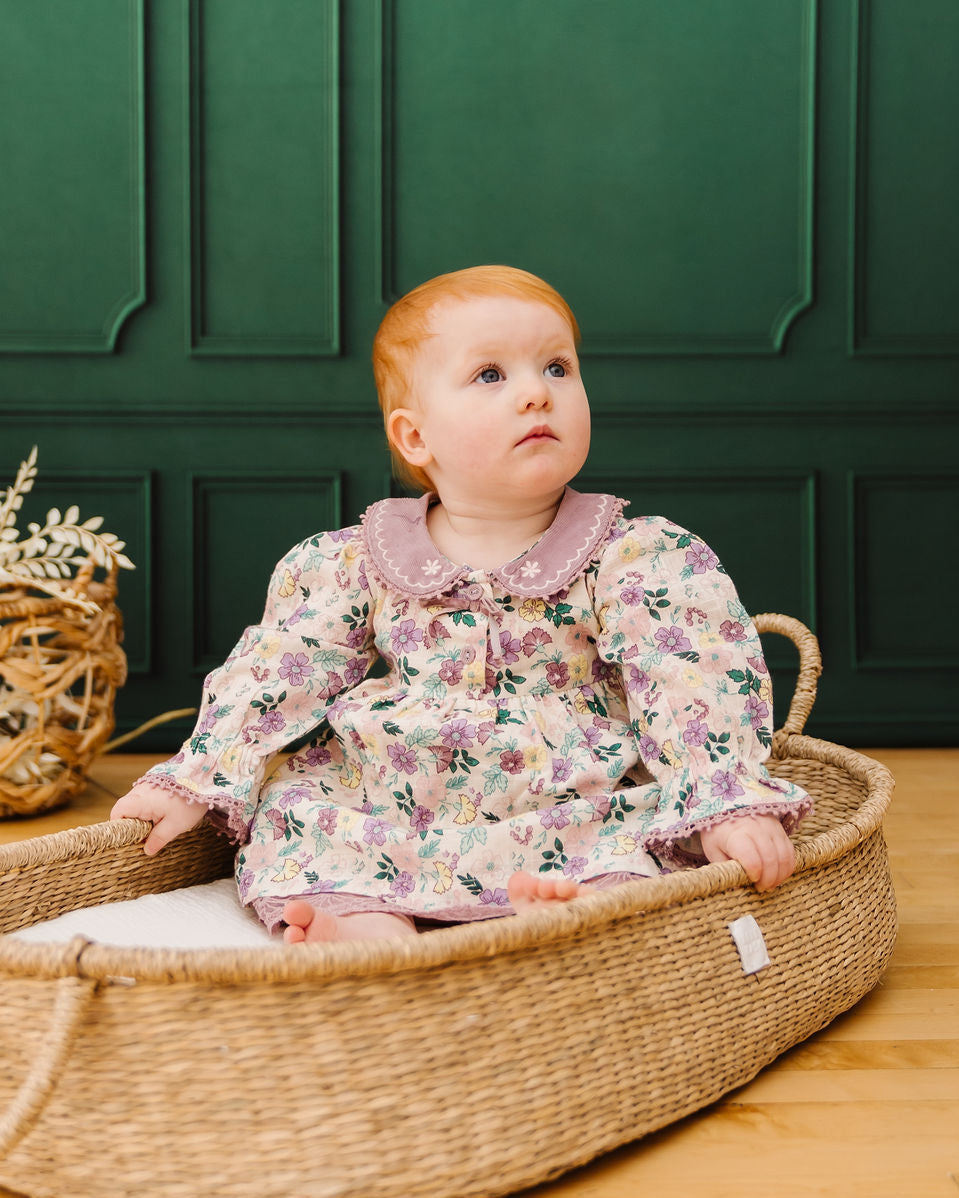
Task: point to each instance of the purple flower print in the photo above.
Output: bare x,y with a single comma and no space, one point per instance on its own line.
355,671
402,884
510,647
725,786
562,769
356,637
497,897
553,817
672,640
326,820
406,637
317,755
512,761
603,670
210,719
296,617
592,736
271,721
451,671
574,866
648,748
295,669
637,679
632,596
701,558
457,734
696,733
757,710
403,758
557,673
758,665
374,831
732,631
421,818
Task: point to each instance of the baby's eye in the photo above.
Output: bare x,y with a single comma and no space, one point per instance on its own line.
556,369
490,374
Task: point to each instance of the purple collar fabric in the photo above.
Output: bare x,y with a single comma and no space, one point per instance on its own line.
404,557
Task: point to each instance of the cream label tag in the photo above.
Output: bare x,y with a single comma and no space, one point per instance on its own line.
749,940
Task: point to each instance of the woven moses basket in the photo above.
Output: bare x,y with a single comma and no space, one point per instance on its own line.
60,667
474,1060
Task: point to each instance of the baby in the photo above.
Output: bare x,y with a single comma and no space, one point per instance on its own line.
572,697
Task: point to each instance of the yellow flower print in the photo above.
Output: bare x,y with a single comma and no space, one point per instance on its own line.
467,812
535,757
289,871
625,844
269,646
350,550
350,778
474,673
531,610
669,752
692,679
444,877
766,690
709,641
578,669
581,704
629,549
230,758
288,585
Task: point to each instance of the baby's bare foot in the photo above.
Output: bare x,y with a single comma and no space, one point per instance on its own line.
305,923
526,890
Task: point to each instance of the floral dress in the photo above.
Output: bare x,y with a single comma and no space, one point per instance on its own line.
584,710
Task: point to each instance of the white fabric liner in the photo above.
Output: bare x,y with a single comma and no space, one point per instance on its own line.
207,916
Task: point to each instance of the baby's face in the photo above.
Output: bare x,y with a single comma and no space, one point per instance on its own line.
500,402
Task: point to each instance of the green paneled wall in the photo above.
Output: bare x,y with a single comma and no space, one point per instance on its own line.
206,206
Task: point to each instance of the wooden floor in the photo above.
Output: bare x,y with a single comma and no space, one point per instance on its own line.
868,1108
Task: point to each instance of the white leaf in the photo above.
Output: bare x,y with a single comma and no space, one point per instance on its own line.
93,523
53,516
72,515
124,562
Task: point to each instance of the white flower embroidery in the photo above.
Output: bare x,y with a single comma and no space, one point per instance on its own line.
432,567
531,569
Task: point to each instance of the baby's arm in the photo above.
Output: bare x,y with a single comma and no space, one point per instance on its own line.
170,813
757,842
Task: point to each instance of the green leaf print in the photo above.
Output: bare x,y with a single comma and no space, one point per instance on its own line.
748,680
554,858
473,885
388,871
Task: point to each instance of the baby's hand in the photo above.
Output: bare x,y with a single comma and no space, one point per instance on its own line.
169,813
757,842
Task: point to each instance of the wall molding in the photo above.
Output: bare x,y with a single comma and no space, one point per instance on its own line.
321,486
103,339
202,341
862,343
768,341
858,484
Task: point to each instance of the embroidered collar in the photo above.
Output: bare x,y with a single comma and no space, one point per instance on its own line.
404,557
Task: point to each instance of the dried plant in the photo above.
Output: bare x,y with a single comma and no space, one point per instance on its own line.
46,558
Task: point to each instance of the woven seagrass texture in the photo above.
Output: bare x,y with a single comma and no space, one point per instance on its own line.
60,666
474,1060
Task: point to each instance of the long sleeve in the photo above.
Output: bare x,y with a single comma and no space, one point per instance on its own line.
697,689
315,641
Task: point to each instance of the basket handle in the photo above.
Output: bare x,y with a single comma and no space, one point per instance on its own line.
73,998
810,666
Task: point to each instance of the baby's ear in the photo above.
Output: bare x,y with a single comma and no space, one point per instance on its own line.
403,430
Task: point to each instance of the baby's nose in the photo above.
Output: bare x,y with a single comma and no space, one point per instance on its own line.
533,393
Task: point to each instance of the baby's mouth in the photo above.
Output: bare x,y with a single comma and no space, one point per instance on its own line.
541,432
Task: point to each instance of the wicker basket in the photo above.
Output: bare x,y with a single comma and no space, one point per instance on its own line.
62,665
473,1060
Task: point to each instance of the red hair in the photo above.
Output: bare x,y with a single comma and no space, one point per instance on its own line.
407,325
